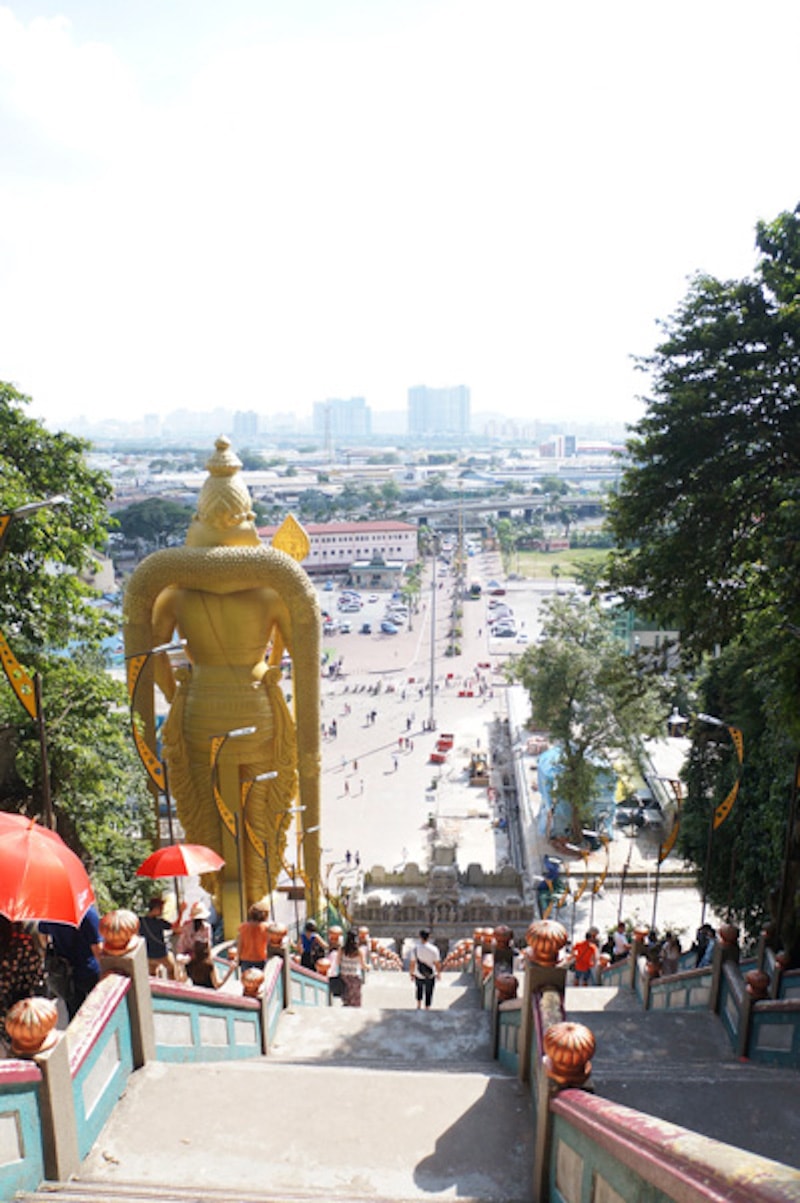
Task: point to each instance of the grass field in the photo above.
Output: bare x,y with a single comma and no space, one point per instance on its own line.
538,565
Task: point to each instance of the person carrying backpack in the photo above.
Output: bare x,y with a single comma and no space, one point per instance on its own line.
312,945
425,968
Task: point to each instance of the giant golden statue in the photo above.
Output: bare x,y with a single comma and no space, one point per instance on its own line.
237,604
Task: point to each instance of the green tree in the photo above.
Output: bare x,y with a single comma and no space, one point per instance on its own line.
51,620
741,860
44,602
705,519
390,494
590,695
712,494
507,539
589,574
411,589
103,809
253,461
154,520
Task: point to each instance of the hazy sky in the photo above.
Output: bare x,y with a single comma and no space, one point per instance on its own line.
263,203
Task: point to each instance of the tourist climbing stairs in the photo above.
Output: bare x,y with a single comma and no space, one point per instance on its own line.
382,1102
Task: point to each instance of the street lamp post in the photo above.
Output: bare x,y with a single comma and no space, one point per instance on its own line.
230,823
29,689
299,867
434,554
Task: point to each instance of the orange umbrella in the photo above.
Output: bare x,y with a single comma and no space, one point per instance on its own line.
40,877
180,860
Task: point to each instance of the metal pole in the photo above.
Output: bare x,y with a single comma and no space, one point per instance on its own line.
239,826
47,801
170,831
432,717
655,891
707,866
296,908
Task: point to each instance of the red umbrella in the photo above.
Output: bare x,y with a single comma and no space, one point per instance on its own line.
40,877
180,860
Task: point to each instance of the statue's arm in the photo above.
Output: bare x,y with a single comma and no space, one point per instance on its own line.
164,629
282,621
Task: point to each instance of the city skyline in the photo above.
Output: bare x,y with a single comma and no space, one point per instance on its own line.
262,206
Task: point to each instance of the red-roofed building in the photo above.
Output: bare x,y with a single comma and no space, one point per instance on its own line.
335,546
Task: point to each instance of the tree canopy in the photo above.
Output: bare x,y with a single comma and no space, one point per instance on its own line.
708,507
154,519
55,628
44,601
706,519
590,695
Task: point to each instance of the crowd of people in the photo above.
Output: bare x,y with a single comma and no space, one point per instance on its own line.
55,960
663,952
61,961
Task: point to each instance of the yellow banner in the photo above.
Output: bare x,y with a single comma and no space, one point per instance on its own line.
18,679
148,757
669,842
725,807
225,813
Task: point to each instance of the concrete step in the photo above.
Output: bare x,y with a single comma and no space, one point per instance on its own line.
588,999
318,1131
679,1066
131,1192
434,1040
384,991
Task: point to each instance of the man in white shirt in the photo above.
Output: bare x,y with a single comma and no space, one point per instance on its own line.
621,943
425,968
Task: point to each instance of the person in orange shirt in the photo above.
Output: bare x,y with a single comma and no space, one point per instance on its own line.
251,942
584,958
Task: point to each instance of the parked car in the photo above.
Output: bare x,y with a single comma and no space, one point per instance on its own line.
373,597
344,627
365,628
389,628
522,637
506,632
501,612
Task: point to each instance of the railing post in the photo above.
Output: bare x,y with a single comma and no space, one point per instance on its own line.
756,989
526,1025
726,948
566,1064
544,1090
637,949
59,1125
287,978
133,965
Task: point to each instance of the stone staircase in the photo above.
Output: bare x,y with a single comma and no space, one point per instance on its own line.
383,1103
679,1066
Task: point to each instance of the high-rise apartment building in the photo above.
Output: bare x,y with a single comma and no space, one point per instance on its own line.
342,418
245,426
441,411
